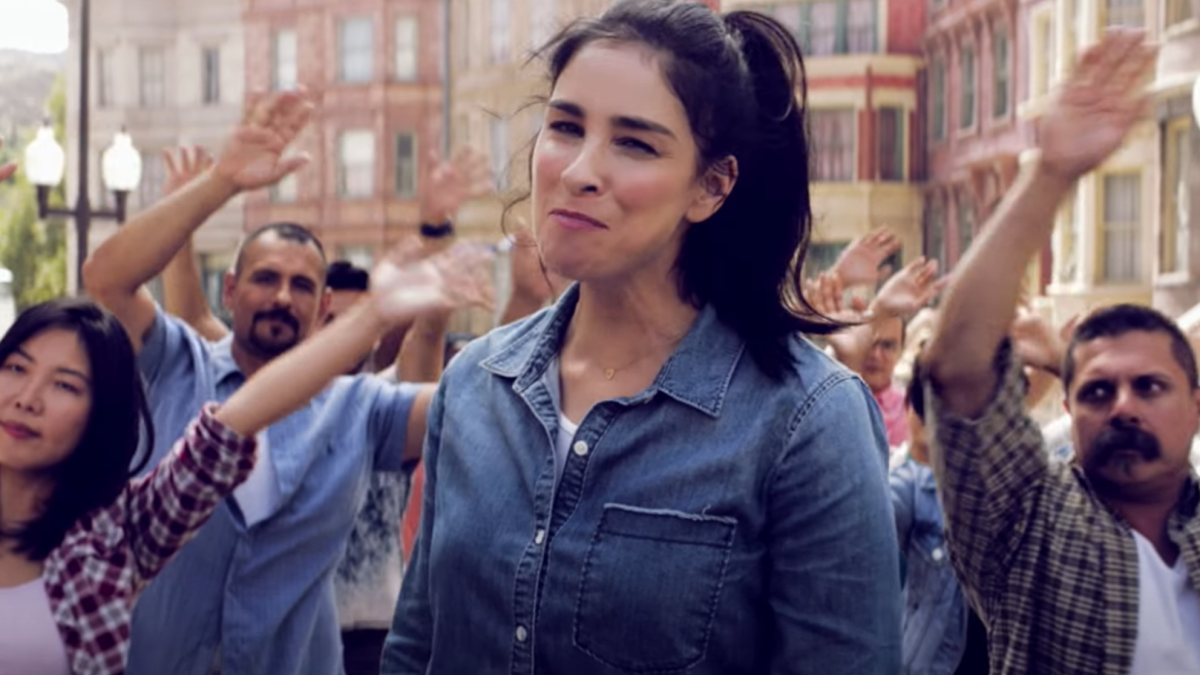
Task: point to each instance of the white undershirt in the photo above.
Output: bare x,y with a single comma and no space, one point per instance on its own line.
566,434
30,643
1168,635
259,496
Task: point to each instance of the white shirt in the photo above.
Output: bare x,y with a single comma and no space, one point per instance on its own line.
30,643
1168,635
562,446
259,496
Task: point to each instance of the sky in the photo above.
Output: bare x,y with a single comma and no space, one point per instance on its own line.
33,25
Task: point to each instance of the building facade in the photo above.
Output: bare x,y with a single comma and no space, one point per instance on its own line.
170,71
863,62
373,68
1105,247
1176,286
975,135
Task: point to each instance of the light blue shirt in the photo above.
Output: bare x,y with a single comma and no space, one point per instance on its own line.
719,522
261,599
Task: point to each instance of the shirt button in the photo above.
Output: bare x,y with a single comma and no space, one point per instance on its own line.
938,554
539,536
522,634
581,449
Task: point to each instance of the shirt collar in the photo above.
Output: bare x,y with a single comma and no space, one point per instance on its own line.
223,364
697,374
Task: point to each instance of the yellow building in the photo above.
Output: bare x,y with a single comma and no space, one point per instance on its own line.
1105,244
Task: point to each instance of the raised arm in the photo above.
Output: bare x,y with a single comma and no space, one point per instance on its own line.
182,294
1091,115
253,157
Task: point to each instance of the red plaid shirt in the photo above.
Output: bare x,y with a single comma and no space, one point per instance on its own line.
110,555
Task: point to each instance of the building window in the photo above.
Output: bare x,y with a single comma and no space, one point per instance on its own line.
152,77
1001,79
822,27
541,22
935,232
793,17
283,60
821,256
285,191
890,136
937,99
210,69
833,136
407,54
1178,11
104,79
1173,238
1041,56
860,27
356,164
212,278
966,223
1124,13
966,78
356,49
501,26
1121,207
500,151
154,174
406,165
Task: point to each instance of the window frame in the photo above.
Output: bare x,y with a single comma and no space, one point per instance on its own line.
1103,228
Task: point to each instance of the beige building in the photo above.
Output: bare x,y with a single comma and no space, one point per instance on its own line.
171,72
1106,247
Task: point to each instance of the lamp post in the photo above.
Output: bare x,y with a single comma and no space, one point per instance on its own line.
45,162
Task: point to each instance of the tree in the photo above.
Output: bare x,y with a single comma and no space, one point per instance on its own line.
34,251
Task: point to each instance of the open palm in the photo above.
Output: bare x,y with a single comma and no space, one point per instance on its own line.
1097,106
254,156
861,264
909,290
411,282
453,183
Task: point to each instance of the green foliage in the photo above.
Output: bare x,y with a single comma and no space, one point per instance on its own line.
35,252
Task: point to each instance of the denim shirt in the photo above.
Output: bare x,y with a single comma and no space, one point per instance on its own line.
260,598
935,610
718,522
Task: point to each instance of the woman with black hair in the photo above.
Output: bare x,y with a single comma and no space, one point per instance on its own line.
78,539
659,475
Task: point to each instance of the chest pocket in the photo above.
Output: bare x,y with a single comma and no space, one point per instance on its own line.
650,587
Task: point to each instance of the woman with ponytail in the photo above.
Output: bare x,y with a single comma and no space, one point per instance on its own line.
659,474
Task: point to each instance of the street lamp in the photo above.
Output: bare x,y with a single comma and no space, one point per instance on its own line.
44,160
121,171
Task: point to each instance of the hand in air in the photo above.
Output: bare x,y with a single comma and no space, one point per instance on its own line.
412,281
254,156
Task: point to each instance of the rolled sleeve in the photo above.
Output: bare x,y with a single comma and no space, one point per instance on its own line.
165,348
990,470
391,404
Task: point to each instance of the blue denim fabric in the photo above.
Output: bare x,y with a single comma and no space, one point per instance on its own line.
260,599
718,522
935,609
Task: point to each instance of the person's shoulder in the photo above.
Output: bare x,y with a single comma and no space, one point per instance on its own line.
813,373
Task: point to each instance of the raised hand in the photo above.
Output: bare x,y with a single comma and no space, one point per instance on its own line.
825,294
7,170
183,166
411,281
464,177
254,156
1097,106
909,290
1035,341
859,264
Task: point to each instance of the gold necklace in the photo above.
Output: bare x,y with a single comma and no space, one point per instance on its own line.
610,373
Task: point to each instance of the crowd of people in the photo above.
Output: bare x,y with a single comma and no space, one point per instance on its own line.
677,453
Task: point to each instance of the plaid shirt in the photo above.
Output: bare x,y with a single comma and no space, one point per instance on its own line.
107,557
1052,571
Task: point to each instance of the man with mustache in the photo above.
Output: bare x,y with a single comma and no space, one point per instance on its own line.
1090,566
254,592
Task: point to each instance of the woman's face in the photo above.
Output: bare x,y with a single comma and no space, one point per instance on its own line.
45,400
615,182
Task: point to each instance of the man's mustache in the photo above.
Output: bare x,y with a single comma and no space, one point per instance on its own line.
280,315
1123,437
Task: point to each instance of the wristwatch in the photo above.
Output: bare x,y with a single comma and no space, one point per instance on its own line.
437,231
